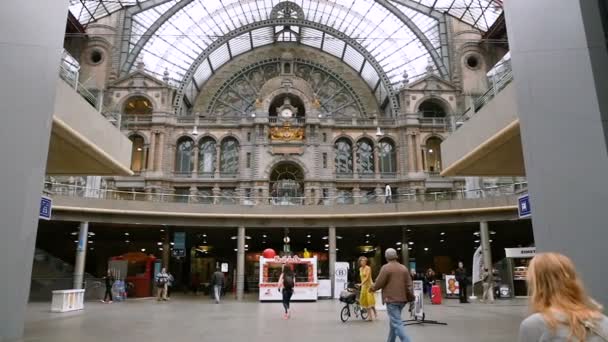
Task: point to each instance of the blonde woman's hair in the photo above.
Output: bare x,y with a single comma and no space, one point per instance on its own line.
363,258
557,293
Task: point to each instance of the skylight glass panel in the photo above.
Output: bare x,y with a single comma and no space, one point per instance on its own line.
311,37
370,75
219,57
203,73
353,58
333,46
262,36
240,44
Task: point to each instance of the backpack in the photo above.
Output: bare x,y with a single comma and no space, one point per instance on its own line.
161,281
288,282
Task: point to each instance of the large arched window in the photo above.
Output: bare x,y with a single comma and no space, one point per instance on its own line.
344,157
433,155
365,158
207,155
137,153
184,160
138,105
388,157
432,109
229,161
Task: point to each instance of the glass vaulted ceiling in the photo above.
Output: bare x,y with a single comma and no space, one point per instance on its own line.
173,35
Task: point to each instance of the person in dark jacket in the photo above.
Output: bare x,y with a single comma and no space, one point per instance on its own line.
461,278
109,280
429,281
217,283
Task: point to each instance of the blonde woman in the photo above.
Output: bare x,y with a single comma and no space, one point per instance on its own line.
562,311
366,298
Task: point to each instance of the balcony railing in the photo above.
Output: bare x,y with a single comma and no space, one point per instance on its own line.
82,192
69,71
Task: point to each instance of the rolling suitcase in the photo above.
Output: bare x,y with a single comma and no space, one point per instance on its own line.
436,294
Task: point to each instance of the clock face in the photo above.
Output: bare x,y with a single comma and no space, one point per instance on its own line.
286,113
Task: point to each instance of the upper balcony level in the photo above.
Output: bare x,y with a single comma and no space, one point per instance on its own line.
82,140
486,140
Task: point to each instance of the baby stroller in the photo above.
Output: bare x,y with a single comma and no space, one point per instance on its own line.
350,297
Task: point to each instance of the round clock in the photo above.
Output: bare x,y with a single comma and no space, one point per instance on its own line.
286,113
286,239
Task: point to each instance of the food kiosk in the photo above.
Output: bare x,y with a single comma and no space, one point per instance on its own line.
306,282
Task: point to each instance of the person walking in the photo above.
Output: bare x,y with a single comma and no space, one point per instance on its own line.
396,284
367,300
217,282
388,194
429,281
461,278
162,283
561,309
109,280
488,286
287,281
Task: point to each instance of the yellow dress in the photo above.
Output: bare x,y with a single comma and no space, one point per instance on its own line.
366,298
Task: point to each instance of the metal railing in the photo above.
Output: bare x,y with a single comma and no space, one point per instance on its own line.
69,71
499,82
405,196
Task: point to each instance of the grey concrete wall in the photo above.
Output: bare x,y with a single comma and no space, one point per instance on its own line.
31,36
560,65
73,110
493,117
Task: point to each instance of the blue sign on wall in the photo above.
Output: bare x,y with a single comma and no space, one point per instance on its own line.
179,244
46,207
524,208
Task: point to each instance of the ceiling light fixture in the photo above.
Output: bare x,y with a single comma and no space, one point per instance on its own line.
398,243
426,249
411,242
442,233
126,234
143,249
159,243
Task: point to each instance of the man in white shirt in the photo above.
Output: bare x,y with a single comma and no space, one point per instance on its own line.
388,194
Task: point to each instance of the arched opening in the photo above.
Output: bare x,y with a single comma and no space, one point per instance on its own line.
137,153
184,157
138,105
344,157
433,155
229,158
432,108
207,157
287,101
287,184
387,157
365,158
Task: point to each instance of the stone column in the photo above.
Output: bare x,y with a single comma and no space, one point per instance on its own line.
218,156
356,195
161,151
377,161
486,250
240,264
405,251
195,162
30,65
81,255
144,162
418,150
332,255
152,152
560,67
167,249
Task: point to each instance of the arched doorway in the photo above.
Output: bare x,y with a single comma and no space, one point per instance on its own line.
287,184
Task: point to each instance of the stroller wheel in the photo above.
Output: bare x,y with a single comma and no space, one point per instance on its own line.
345,314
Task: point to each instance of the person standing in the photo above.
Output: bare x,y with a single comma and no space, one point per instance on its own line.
162,282
562,310
396,284
461,278
287,282
388,194
429,281
366,298
488,286
217,281
109,280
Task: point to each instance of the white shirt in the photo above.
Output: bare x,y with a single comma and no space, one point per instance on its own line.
388,191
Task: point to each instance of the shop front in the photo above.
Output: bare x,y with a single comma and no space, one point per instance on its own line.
306,281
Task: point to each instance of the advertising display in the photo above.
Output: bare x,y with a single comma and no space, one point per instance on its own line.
306,283
419,295
341,278
452,288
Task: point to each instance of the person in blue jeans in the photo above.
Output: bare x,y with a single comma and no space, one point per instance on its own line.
396,284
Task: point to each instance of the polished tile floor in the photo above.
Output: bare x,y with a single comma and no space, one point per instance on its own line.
186,319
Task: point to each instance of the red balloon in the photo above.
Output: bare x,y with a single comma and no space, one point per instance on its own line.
269,253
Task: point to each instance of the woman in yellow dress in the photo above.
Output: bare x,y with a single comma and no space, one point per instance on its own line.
366,298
